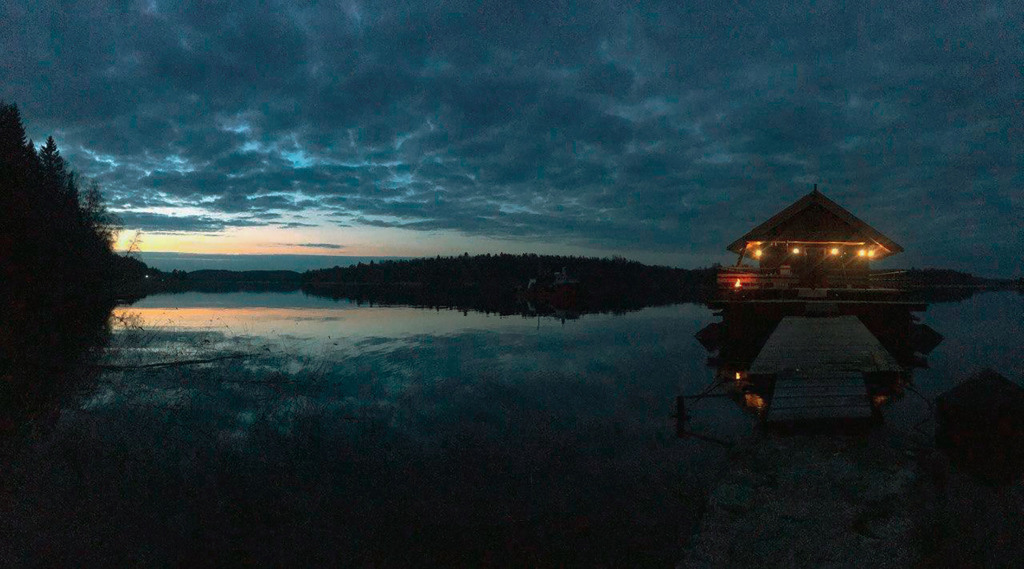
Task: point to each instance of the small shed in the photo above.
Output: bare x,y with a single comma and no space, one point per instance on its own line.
981,426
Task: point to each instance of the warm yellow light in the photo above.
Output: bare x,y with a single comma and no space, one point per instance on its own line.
861,253
754,401
835,250
796,250
739,375
871,253
758,253
738,284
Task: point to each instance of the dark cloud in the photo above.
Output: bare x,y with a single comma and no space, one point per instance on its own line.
316,245
298,224
159,223
670,127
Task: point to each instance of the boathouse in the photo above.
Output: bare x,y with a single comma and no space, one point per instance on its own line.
813,243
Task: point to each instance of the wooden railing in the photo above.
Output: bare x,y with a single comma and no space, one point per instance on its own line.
752,278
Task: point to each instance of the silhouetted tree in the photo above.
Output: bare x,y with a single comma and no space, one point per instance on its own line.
55,175
57,267
499,283
103,223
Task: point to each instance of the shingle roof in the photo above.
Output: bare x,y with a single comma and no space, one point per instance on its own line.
776,229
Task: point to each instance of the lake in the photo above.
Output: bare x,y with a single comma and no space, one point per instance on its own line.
347,434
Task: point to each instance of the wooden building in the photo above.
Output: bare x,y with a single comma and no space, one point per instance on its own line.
814,243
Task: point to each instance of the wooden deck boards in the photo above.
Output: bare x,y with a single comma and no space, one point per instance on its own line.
816,413
819,366
822,347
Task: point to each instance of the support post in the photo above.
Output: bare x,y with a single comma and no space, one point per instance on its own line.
742,252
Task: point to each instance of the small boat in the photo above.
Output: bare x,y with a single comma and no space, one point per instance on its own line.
562,293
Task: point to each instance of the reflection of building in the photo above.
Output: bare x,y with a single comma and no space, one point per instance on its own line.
813,243
791,361
810,332
561,295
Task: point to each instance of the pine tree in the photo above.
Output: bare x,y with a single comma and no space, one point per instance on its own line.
48,232
18,172
54,171
18,161
56,267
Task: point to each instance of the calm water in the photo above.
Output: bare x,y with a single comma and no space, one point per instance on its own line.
986,330
402,436
504,437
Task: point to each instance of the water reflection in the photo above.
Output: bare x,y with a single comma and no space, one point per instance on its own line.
375,436
48,346
817,360
357,435
977,416
341,320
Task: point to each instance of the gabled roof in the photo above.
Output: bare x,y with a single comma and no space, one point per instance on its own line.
814,217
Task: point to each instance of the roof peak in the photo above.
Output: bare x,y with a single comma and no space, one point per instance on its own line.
815,198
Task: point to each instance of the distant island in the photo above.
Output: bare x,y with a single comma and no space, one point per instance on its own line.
509,284
500,283
946,285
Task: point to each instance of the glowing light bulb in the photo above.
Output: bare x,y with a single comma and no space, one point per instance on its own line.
754,401
758,253
738,284
861,253
835,250
796,250
871,253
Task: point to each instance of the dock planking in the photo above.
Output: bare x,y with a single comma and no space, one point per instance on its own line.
819,366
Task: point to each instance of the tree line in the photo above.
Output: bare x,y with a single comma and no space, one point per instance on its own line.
503,282
58,268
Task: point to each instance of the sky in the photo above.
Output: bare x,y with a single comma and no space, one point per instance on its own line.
656,131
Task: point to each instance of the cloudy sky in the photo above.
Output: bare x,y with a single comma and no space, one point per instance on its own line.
657,131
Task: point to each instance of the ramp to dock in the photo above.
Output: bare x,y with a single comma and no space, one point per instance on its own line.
819,365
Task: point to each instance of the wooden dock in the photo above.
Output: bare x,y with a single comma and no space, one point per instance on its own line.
819,366
838,303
